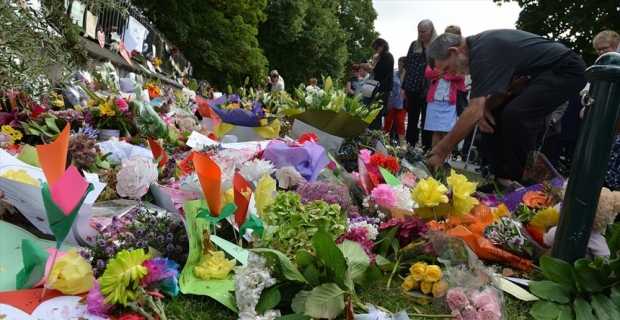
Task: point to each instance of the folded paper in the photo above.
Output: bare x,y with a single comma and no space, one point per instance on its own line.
53,156
210,176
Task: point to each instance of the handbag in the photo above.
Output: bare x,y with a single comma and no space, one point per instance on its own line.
369,89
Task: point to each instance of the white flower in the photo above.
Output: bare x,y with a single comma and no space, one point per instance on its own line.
403,197
253,171
191,183
250,281
311,90
287,177
308,99
135,177
371,232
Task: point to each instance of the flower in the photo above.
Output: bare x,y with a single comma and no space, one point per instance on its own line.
308,136
250,281
288,177
122,105
456,298
537,236
22,176
426,287
106,109
71,274
95,299
417,270
254,170
469,313
15,134
360,235
383,195
545,219
387,162
122,274
429,193
535,199
410,283
500,211
432,273
162,276
462,202
408,179
440,288
214,265
135,177
365,156
131,316
403,198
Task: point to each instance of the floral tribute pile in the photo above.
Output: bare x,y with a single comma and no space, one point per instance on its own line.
267,228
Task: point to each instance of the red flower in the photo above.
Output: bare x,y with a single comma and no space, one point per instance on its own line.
309,136
537,236
380,160
212,136
131,316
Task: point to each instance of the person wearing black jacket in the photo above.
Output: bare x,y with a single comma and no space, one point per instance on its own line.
382,71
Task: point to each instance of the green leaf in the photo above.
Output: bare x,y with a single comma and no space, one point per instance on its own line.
288,269
356,257
327,251
294,317
304,258
612,236
615,295
558,271
371,275
604,309
386,241
312,275
549,290
268,300
384,263
51,124
325,301
586,277
583,310
545,309
299,301
566,313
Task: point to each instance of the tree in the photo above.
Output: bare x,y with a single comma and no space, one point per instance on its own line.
303,39
574,22
357,18
217,36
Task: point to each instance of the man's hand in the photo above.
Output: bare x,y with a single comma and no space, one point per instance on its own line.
485,123
435,162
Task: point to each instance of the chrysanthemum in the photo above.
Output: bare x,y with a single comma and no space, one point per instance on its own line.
429,193
462,202
162,276
545,219
122,275
106,109
500,211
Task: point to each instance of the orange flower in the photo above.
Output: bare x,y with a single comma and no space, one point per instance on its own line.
535,200
154,91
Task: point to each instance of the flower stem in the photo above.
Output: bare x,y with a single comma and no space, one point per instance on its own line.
141,311
430,316
393,272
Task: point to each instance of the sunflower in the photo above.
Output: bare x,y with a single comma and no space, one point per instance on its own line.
122,275
545,219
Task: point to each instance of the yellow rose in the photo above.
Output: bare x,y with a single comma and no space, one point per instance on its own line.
410,284
417,270
214,265
432,273
71,274
426,287
440,288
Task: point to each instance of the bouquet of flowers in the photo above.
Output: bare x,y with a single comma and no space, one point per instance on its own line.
427,279
508,234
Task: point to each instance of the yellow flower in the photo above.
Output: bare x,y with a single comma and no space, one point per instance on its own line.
440,288
432,273
71,274
214,265
426,287
545,219
122,275
15,134
429,193
417,270
462,202
22,176
410,284
106,109
500,211
91,103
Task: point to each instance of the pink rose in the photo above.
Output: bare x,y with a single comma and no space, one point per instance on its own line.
490,313
470,313
457,314
456,298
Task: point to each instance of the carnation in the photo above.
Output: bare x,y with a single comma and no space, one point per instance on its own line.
365,155
383,195
135,177
256,169
408,179
371,230
403,198
250,281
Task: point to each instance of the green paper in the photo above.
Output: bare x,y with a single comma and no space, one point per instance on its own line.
254,223
35,259
340,124
11,247
389,177
240,254
29,156
59,222
227,211
218,289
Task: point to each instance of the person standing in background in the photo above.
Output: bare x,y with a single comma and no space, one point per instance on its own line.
383,71
396,115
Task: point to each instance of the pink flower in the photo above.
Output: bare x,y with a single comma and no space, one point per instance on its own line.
365,156
457,314
484,298
122,105
489,314
408,179
469,313
456,298
95,299
383,195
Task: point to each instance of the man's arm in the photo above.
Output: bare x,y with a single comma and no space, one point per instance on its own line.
465,124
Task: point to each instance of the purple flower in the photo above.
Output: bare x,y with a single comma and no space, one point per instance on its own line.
101,243
153,222
178,249
100,264
109,250
150,235
183,237
257,109
235,98
173,225
139,232
162,276
96,305
170,248
114,219
89,131
170,236
140,244
160,239
85,254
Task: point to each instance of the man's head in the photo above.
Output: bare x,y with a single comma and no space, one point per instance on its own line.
445,54
274,76
606,41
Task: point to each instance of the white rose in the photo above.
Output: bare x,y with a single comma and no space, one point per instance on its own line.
308,99
135,177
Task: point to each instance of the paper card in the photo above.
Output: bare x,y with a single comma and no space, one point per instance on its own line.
516,291
158,151
91,24
234,250
246,145
198,140
389,177
150,66
91,177
77,13
58,308
241,188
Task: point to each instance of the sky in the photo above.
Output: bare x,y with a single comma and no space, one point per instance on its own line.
398,20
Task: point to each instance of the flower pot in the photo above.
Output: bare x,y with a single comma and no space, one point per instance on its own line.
105,134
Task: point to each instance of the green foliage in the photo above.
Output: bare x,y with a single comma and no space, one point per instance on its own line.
574,23
357,19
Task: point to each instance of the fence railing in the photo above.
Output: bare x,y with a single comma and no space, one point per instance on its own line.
110,21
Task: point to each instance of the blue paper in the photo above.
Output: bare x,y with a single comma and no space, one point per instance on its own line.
308,159
238,116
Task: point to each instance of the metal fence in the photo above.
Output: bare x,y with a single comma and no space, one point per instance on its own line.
110,21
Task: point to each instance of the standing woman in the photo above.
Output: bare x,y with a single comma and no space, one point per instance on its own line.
383,71
414,85
396,115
